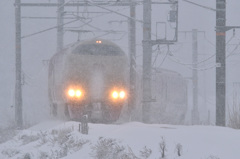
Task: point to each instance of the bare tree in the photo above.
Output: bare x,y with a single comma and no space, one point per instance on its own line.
163,148
179,149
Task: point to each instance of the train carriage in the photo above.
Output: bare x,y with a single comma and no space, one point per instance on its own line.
170,93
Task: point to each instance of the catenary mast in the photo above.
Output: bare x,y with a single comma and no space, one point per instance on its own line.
147,61
18,84
221,62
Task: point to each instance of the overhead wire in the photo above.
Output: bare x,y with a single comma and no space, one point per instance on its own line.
87,23
92,4
158,52
213,55
54,27
98,29
197,62
209,41
207,68
231,53
45,30
167,53
28,79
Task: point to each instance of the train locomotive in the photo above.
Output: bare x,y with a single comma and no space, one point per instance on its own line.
88,77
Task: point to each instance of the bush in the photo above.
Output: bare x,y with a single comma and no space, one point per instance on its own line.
7,133
106,149
10,152
213,157
26,139
146,152
109,149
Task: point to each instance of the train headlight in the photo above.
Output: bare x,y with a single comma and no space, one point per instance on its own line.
78,93
118,94
115,95
71,93
75,93
98,41
122,94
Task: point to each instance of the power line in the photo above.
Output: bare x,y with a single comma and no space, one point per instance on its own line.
207,68
45,30
167,53
210,57
197,62
202,6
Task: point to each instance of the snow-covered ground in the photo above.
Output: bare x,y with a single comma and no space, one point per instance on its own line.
58,139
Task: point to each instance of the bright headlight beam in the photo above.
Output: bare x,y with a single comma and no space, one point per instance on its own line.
78,93
115,94
71,93
122,94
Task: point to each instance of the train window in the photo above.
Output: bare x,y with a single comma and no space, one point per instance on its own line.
95,49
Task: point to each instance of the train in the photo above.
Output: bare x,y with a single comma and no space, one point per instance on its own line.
92,78
88,78
170,94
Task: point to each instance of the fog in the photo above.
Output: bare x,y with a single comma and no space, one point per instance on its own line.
38,49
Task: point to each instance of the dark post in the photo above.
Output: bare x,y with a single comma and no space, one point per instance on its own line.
18,84
84,124
220,61
147,61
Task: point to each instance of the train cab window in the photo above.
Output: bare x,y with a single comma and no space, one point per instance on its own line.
96,49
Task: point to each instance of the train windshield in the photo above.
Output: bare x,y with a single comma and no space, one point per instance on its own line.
98,49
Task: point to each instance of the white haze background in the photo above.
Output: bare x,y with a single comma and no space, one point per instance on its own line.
41,47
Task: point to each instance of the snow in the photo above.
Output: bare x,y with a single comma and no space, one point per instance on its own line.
59,139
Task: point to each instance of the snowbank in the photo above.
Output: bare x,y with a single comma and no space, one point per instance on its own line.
56,139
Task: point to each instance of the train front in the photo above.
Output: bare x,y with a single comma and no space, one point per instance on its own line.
95,81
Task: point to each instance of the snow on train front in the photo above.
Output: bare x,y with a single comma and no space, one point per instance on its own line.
90,78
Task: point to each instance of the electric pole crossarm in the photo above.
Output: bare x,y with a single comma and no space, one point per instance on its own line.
191,32
226,28
84,3
79,4
46,18
162,42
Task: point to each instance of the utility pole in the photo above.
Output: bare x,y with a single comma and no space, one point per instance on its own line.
147,52
132,55
18,84
220,61
221,29
147,61
60,15
195,113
